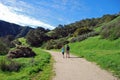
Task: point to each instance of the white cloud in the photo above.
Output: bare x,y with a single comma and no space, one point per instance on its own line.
67,5
17,5
10,14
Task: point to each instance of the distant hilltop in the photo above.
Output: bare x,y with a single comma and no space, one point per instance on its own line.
15,30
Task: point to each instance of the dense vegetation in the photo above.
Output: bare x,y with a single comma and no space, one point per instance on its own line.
55,44
85,25
6,44
3,48
111,30
63,34
37,37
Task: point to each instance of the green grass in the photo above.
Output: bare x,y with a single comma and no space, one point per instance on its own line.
23,40
98,29
37,68
47,74
104,52
30,67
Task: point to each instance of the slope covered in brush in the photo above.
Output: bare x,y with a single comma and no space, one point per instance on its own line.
111,30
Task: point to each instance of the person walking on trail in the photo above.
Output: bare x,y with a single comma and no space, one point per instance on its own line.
63,50
67,51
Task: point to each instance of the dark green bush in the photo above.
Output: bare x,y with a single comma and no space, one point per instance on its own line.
50,44
37,37
3,48
81,31
7,40
56,44
10,66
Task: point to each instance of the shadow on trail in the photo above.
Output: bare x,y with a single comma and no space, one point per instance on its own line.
75,57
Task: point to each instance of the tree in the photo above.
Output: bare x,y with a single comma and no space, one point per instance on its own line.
7,40
81,31
37,37
3,48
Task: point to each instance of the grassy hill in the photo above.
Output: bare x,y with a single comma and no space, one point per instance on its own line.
103,49
37,68
104,52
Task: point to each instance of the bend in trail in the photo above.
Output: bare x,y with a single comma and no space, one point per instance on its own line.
76,68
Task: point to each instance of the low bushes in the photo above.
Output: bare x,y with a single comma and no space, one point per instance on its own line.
8,65
84,36
111,30
56,44
81,31
3,48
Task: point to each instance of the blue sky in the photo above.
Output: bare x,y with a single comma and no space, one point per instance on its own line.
50,13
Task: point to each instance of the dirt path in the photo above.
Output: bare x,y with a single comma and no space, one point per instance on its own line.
76,68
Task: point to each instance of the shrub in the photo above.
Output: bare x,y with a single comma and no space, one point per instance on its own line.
7,40
84,36
50,44
10,66
81,31
3,48
56,44
111,30
36,37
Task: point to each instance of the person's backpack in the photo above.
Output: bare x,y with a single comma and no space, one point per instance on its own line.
68,48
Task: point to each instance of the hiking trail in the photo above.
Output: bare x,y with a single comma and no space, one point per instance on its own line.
75,68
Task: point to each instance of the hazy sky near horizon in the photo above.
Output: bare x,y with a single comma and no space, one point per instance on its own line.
50,13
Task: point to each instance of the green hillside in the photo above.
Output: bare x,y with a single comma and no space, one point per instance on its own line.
104,52
111,30
101,49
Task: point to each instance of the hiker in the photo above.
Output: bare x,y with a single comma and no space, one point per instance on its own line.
67,51
63,50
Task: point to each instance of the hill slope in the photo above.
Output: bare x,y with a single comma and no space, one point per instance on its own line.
111,30
104,52
7,28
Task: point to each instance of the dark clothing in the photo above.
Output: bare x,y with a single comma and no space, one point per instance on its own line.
63,53
67,48
67,51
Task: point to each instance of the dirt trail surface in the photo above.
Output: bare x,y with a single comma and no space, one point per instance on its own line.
75,68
